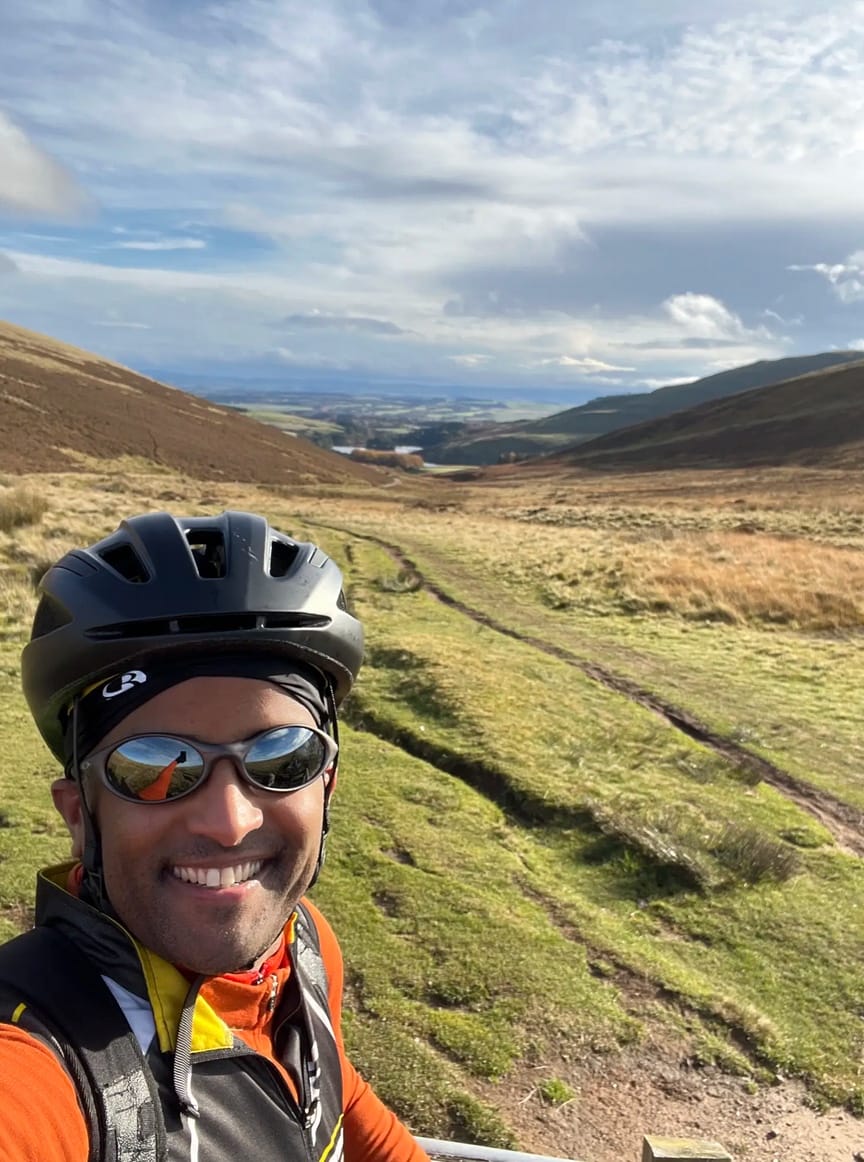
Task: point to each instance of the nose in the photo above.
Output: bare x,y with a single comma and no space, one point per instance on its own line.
224,808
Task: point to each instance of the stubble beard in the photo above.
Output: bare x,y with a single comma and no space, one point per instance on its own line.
233,938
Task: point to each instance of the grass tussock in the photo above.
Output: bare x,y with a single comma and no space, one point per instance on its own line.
652,847
17,603
20,507
755,857
666,849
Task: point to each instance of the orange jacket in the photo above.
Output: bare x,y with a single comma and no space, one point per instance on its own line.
41,1121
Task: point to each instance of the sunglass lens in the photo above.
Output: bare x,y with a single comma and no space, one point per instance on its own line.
152,769
287,758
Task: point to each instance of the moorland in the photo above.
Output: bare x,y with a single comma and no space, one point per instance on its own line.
597,852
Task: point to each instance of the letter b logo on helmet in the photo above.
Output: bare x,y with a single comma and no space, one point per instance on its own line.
127,681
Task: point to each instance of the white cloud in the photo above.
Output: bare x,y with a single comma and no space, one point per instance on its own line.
320,321
120,323
586,365
313,359
846,278
239,307
795,321
469,360
163,244
653,384
7,265
704,317
31,182
47,267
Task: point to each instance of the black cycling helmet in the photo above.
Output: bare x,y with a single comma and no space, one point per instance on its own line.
161,585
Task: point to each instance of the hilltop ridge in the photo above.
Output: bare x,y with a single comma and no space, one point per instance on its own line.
612,412
812,420
58,402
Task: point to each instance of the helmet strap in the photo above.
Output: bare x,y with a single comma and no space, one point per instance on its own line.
333,723
93,881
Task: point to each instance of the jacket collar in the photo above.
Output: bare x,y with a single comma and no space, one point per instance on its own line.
119,956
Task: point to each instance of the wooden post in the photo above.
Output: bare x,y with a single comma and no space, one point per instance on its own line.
678,1149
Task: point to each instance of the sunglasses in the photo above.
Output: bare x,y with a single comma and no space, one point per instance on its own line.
161,768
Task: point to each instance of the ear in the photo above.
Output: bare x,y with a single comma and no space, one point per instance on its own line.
330,778
67,799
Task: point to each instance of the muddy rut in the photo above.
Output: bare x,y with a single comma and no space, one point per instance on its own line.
844,822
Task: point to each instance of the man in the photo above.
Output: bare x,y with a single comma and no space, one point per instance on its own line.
178,998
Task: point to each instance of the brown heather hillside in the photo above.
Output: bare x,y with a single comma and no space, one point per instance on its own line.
57,402
814,420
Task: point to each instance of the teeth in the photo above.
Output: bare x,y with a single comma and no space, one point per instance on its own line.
215,877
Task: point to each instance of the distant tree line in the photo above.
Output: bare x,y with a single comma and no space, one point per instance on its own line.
406,461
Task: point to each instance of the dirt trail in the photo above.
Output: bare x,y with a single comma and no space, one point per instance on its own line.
844,822
655,1090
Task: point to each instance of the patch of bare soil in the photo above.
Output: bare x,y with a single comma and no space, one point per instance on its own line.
653,1090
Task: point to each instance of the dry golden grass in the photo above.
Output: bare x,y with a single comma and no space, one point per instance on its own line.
739,578
806,489
645,562
696,553
20,507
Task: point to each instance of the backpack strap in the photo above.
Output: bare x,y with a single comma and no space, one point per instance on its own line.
50,989
308,949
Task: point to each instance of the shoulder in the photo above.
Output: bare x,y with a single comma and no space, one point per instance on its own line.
40,1118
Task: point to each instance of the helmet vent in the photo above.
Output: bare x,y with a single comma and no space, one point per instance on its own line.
50,615
283,554
202,624
124,560
208,552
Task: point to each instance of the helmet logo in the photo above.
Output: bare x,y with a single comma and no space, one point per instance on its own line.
127,682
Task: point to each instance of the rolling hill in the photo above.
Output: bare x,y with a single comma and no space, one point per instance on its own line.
57,402
812,420
612,412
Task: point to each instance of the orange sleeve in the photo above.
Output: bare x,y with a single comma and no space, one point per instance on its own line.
372,1132
40,1119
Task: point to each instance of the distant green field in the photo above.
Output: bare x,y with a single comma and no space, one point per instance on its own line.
288,421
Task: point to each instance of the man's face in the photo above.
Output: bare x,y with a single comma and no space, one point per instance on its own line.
226,823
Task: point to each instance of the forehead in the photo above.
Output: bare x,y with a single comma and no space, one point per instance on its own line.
214,710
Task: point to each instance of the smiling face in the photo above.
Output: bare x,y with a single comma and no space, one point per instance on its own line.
162,862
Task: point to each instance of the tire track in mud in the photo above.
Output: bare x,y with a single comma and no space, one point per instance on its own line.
844,822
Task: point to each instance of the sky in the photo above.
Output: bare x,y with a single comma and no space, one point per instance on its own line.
609,196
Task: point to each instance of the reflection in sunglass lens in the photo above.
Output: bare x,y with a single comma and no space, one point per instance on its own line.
153,768
156,768
286,758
